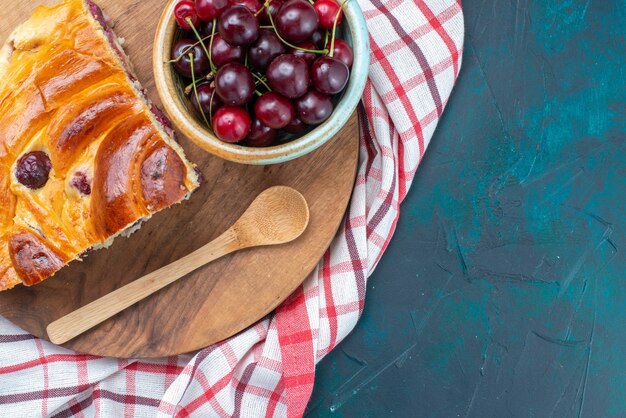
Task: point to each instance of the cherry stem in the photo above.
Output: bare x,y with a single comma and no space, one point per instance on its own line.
332,40
211,109
195,90
326,38
265,5
186,50
213,68
195,31
260,79
258,93
313,51
208,77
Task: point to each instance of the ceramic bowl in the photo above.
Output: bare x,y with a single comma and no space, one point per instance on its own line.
175,104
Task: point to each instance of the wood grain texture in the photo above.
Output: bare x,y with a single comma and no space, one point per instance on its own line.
215,301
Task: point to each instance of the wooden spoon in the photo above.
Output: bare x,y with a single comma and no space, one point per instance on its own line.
278,215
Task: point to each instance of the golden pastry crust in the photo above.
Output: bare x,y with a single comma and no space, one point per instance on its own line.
65,91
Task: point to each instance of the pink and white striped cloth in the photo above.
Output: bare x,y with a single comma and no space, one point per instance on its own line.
268,369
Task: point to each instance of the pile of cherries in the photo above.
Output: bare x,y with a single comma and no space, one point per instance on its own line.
253,70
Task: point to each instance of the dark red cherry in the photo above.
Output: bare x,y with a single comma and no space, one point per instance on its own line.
186,9
231,124
265,49
314,107
260,135
253,5
238,26
33,169
181,49
206,28
223,53
274,110
81,182
296,126
309,57
343,52
327,11
329,75
210,9
234,84
207,99
318,38
297,20
288,75
272,7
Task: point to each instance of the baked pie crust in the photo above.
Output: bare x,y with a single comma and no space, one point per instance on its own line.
69,91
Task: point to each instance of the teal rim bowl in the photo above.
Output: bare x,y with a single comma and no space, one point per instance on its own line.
354,33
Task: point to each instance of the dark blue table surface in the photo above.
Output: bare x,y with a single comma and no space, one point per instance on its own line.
503,292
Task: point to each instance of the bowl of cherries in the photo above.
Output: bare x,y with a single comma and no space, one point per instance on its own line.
261,81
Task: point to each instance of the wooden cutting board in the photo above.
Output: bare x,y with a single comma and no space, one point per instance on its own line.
220,299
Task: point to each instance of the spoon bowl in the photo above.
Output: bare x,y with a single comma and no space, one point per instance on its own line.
278,215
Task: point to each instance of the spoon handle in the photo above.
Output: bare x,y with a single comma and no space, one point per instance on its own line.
92,314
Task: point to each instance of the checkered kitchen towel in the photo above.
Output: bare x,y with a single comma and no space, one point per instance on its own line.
268,369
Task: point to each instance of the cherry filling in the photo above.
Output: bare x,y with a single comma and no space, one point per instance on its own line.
98,14
81,183
104,21
33,169
162,119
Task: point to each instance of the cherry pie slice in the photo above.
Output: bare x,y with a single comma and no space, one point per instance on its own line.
84,155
